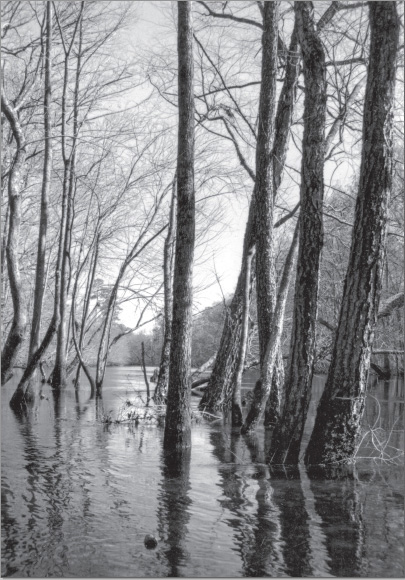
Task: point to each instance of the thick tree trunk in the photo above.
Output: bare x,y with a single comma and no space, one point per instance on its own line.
168,259
178,414
16,334
263,385
341,406
286,441
46,183
218,395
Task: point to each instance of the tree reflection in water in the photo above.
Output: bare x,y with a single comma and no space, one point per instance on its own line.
289,498
337,501
173,513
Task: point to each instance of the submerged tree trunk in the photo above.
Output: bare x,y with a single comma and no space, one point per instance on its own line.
219,392
46,183
168,258
178,415
286,441
18,326
341,406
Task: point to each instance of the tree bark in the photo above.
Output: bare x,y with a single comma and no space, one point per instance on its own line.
16,334
286,441
218,395
160,393
178,415
341,406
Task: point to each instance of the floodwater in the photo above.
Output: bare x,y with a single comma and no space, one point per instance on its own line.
79,496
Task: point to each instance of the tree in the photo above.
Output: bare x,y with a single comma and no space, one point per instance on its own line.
285,445
341,407
178,417
46,184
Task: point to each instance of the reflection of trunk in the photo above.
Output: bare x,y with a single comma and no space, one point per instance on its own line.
173,512
46,183
168,258
342,404
177,427
17,331
338,505
219,391
236,395
265,557
288,497
287,436
269,357
233,483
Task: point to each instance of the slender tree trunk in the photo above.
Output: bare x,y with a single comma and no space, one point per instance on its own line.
16,334
218,395
266,283
178,415
145,374
59,374
86,305
46,183
286,441
341,406
263,385
4,244
236,395
168,260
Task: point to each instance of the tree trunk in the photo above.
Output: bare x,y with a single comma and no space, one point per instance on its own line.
341,406
145,374
236,395
18,326
286,441
59,374
263,385
266,282
218,395
160,393
178,415
46,183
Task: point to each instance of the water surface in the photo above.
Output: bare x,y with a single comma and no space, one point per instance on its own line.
79,496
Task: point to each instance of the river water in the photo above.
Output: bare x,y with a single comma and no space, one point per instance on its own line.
79,496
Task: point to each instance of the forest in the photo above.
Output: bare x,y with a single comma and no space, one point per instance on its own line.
206,190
